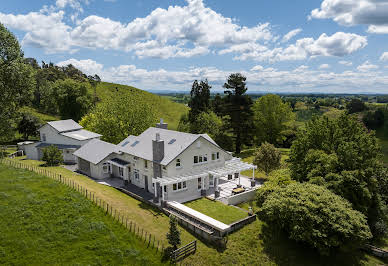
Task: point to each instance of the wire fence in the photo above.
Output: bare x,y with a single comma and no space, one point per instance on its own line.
150,240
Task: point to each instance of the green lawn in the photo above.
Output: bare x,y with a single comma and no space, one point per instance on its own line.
253,244
43,222
217,210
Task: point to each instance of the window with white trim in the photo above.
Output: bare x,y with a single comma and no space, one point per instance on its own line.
199,183
198,159
211,181
145,164
179,186
195,159
215,156
178,163
205,158
121,171
106,168
43,137
136,174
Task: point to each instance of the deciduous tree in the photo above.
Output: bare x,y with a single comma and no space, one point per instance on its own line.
52,156
271,116
28,125
267,158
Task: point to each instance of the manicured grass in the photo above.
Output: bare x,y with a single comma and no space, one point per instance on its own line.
170,111
217,210
253,244
44,222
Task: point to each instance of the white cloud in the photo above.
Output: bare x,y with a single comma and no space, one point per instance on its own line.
352,12
301,79
345,63
87,66
384,56
339,44
290,35
366,66
324,66
179,31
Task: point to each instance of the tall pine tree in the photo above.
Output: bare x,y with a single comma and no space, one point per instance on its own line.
199,99
238,106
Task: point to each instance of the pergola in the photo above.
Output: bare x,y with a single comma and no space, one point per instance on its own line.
235,165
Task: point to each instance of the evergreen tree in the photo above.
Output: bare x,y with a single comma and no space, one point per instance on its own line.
174,236
238,106
199,99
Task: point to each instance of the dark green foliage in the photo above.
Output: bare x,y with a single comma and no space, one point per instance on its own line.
374,119
343,156
267,158
52,156
217,105
72,98
355,106
16,82
238,107
174,236
28,125
199,99
314,215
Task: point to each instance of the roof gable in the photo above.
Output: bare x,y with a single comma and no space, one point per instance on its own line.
175,143
65,125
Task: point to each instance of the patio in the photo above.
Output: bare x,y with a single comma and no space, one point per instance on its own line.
225,186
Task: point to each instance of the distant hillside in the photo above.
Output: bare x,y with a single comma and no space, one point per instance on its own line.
168,110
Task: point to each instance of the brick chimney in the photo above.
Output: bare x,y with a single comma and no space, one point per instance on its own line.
161,124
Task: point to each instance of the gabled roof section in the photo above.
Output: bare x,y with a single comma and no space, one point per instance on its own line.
65,125
95,150
81,134
175,143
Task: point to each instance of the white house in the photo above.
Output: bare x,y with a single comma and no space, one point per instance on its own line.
172,165
67,135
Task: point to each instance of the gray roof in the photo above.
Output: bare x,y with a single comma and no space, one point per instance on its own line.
59,146
175,143
65,125
81,134
95,151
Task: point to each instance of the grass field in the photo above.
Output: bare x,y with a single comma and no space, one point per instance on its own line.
170,111
254,244
44,222
217,210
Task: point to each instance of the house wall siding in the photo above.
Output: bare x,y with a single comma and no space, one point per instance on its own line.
52,136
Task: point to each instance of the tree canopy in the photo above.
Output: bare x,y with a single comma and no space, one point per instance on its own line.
199,99
343,156
119,117
16,82
267,158
271,115
312,214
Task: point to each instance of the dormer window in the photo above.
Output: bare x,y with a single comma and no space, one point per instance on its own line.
178,163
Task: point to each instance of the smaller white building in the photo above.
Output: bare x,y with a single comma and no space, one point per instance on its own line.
67,135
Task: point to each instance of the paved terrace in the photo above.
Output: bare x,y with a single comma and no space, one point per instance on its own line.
226,186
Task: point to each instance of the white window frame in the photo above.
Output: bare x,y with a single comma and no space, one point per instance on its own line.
121,171
201,159
179,186
136,174
211,181
215,156
178,163
106,168
199,185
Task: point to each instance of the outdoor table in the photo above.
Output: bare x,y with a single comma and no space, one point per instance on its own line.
238,190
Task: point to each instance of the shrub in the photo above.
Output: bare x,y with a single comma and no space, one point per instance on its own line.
52,156
314,215
267,158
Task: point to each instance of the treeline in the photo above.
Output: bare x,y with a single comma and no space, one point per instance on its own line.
60,91
234,120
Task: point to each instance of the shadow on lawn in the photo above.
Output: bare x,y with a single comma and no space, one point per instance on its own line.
284,251
154,211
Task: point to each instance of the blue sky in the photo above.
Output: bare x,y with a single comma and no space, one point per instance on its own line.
281,46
